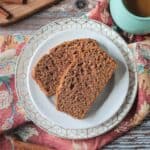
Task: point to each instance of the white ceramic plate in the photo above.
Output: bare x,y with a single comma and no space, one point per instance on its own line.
110,107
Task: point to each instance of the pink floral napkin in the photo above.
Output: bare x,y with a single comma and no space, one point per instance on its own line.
14,126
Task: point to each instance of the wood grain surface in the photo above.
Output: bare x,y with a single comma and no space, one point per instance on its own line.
138,138
18,11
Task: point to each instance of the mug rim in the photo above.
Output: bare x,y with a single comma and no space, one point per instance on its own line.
132,14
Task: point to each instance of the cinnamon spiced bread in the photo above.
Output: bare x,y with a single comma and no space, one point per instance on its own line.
49,69
83,81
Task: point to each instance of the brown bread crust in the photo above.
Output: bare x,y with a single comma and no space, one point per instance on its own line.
83,81
49,69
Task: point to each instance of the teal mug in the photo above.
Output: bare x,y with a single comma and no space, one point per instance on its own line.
127,20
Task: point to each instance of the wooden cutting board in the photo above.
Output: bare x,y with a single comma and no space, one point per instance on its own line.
20,11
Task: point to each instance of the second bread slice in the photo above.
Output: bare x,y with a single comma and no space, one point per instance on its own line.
83,81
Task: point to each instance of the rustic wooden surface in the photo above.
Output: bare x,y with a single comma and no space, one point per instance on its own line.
21,11
138,138
66,8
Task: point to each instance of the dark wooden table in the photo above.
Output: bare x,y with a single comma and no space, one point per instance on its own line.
138,138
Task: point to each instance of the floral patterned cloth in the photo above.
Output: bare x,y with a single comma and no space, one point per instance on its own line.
12,115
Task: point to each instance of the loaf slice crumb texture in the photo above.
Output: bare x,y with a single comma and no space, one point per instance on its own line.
49,69
83,81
